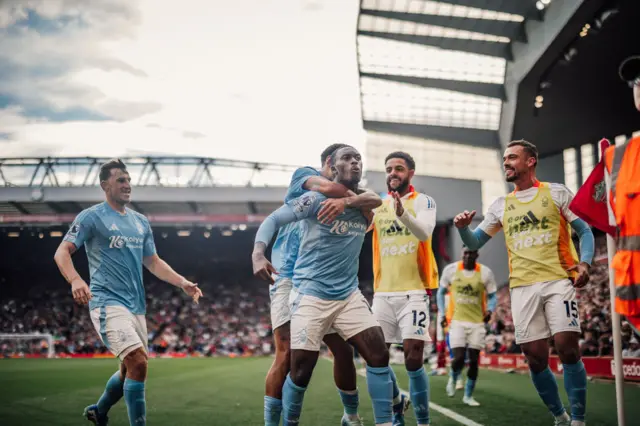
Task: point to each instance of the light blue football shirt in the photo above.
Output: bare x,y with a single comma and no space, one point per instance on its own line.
116,245
285,249
329,255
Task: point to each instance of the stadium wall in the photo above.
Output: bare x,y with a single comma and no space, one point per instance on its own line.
551,169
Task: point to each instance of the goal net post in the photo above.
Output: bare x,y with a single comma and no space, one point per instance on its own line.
27,343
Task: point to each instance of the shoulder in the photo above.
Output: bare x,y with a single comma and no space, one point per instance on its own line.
90,212
425,201
306,200
305,171
560,189
450,269
485,269
139,216
497,206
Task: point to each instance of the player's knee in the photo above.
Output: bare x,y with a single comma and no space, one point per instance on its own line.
379,359
568,354
472,373
136,365
414,356
537,362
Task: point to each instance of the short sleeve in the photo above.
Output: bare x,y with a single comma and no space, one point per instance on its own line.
445,279
562,197
149,248
307,205
492,223
296,186
490,284
81,229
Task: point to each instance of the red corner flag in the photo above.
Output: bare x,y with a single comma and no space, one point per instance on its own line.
590,203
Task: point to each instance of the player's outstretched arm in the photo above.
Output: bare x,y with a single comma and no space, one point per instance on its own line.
163,271
473,239
79,288
326,187
366,200
262,268
587,251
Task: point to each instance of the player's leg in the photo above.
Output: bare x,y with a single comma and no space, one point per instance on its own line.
472,377
413,320
277,374
458,344
532,334
385,313
344,376
114,389
356,323
310,320
561,310
475,343
134,386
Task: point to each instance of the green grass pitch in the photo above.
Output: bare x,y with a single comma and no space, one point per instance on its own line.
229,392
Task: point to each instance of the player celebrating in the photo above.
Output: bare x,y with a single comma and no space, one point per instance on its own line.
326,283
118,242
544,274
284,254
404,269
471,286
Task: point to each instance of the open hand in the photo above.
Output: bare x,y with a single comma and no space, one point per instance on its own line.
463,220
331,209
398,203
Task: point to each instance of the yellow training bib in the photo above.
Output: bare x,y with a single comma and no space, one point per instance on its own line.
468,297
401,262
538,240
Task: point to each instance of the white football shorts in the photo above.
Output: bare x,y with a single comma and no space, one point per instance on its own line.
279,293
403,316
543,309
121,331
462,334
312,318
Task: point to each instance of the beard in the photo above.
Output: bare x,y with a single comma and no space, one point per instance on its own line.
402,186
513,177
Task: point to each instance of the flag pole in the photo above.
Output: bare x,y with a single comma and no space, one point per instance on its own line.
615,316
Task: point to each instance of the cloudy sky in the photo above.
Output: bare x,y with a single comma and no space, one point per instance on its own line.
267,80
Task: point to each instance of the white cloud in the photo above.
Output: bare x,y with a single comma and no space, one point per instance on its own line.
265,81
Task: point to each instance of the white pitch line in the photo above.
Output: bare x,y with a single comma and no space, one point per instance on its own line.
440,409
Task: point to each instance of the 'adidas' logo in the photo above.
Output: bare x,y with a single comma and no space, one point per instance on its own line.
573,323
419,332
113,228
529,218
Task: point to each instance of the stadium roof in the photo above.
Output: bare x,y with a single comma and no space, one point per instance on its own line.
436,69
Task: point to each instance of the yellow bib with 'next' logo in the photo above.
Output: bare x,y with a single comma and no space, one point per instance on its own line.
468,299
401,262
538,240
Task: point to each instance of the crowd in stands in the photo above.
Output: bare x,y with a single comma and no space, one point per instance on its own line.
231,320
594,312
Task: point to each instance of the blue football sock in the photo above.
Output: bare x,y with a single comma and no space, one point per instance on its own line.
350,401
547,388
454,374
112,394
381,392
396,389
292,397
419,390
136,404
575,383
272,410
469,387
